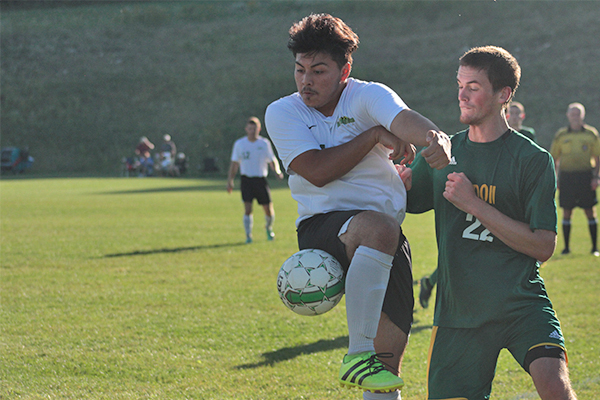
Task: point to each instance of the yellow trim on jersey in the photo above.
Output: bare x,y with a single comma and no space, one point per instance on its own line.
546,344
433,335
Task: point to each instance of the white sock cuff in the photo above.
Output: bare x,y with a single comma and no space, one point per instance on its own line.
380,257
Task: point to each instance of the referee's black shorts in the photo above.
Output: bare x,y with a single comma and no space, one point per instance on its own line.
255,188
321,232
576,190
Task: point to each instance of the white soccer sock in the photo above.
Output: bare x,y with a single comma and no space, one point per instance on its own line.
395,395
366,283
248,222
269,221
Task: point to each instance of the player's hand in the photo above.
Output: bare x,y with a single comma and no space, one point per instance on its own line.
229,186
399,147
439,151
459,191
405,174
406,150
280,176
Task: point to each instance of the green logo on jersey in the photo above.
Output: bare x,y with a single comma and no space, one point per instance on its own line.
344,121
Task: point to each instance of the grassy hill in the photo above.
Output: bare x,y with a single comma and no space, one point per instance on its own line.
81,84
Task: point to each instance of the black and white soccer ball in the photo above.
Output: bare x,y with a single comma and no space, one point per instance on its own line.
311,282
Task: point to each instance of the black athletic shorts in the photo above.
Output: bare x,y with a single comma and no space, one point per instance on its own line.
255,188
576,191
321,232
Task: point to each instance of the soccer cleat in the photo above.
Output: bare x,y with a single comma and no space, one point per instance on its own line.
566,251
248,239
595,253
425,292
270,234
365,371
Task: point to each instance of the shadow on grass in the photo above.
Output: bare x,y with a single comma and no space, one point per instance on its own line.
288,353
170,189
219,185
172,250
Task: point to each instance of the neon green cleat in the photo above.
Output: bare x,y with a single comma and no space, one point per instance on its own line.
365,371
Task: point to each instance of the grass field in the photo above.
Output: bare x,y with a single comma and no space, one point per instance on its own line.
143,289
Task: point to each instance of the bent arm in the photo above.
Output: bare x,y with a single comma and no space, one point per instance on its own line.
414,128
321,167
539,243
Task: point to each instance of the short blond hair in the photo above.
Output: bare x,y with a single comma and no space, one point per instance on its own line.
518,105
255,121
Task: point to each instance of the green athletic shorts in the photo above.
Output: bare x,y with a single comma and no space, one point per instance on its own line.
462,361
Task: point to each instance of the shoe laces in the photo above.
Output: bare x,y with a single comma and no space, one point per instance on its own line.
376,365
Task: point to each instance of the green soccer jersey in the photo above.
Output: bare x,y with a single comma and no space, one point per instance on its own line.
527,132
480,278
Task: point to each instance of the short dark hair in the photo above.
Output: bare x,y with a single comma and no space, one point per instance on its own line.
323,33
501,67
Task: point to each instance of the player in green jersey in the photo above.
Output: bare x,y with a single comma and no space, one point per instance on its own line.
515,115
495,217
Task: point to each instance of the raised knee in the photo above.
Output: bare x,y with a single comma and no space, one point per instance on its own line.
379,231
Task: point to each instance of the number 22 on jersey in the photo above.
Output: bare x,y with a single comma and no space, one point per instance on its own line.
470,231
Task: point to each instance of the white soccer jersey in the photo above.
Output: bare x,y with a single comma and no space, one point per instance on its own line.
253,157
374,183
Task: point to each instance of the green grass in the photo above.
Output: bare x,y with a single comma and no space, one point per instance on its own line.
80,84
143,289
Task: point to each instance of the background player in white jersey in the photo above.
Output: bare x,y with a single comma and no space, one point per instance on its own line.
336,137
253,156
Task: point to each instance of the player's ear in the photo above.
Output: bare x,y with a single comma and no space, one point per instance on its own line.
505,94
346,71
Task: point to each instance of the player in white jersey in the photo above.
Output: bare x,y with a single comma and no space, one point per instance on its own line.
337,137
253,155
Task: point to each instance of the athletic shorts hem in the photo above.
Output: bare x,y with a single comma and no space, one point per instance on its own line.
321,232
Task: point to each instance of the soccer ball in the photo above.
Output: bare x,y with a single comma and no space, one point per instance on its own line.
311,282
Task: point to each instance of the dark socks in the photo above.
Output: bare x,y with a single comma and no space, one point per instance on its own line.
593,225
566,226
